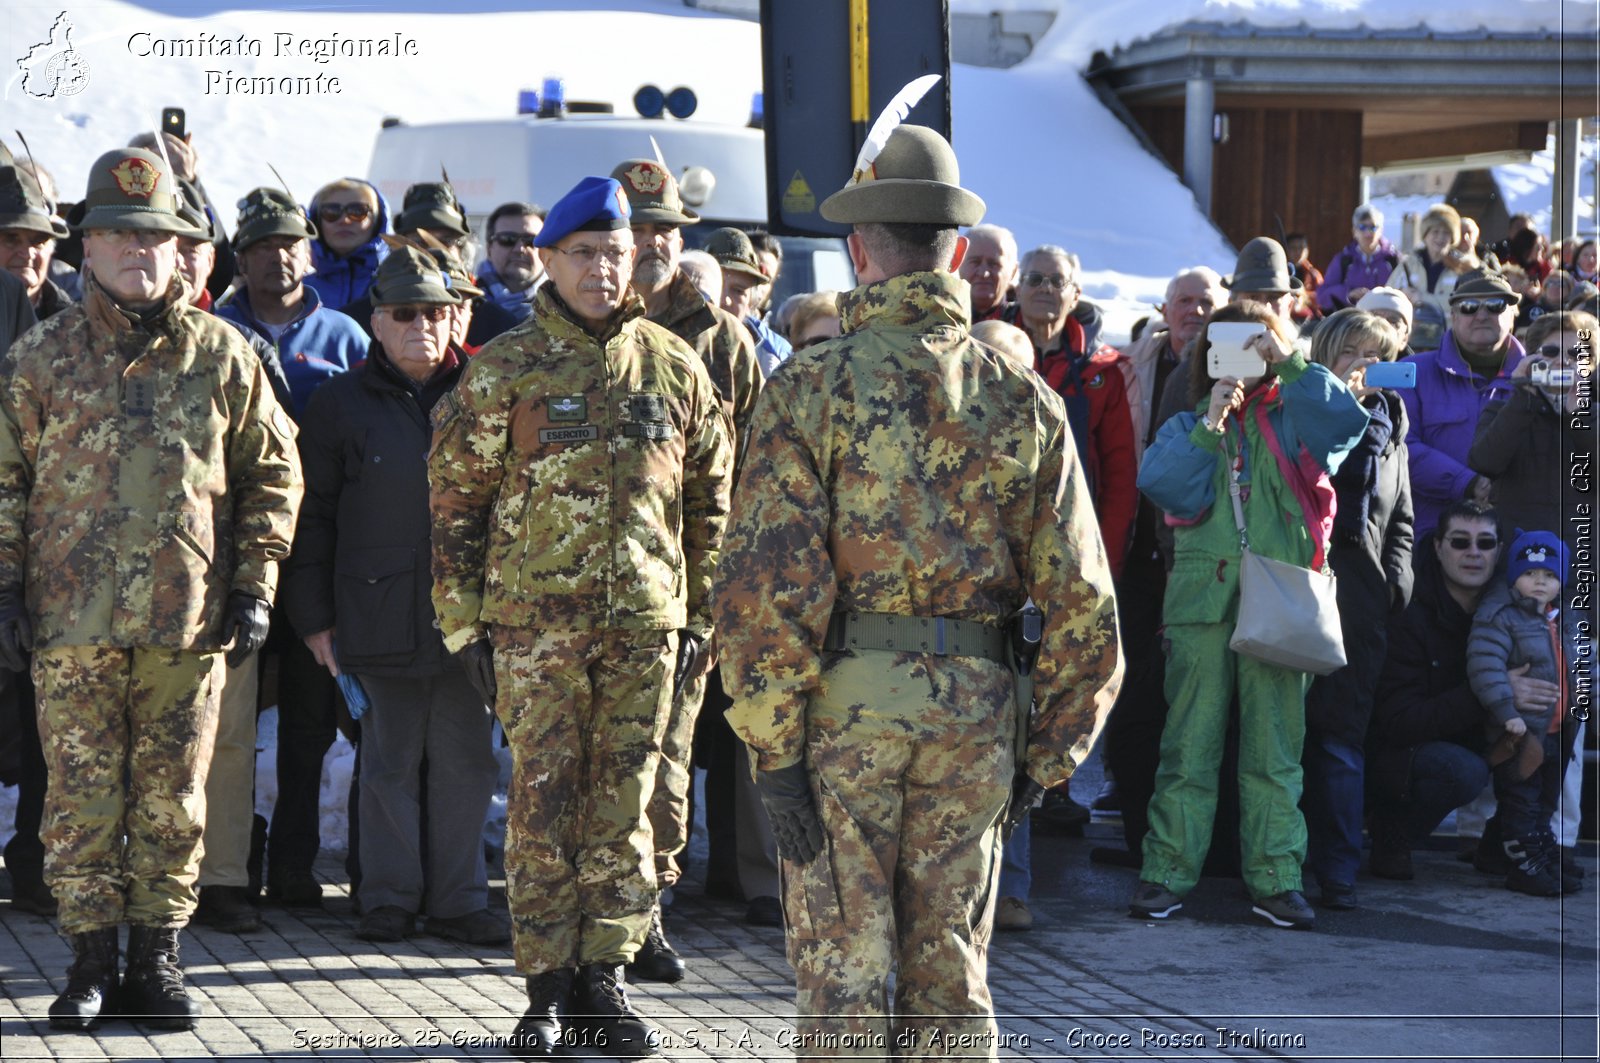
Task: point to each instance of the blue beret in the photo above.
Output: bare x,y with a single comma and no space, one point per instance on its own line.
595,204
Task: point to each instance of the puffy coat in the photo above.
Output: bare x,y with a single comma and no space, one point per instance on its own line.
1508,631
341,280
315,346
1518,444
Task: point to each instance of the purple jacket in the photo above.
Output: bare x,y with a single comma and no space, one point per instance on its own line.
1351,269
1443,411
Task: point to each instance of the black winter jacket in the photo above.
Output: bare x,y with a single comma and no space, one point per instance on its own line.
361,560
1423,694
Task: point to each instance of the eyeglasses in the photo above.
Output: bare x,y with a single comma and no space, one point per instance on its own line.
1053,281
584,256
405,315
142,237
332,212
1468,307
513,239
1464,542
1366,227
1552,351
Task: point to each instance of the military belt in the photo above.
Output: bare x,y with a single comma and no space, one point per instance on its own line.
938,635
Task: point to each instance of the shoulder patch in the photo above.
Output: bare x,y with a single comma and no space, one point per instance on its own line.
445,411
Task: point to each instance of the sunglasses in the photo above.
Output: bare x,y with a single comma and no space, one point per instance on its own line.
1053,281
405,315
1468,307
1552,351
513,239
1464,542
331,212
1366,227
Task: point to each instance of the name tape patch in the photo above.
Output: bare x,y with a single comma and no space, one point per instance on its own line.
576,434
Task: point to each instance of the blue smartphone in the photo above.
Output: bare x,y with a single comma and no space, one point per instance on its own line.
1392,375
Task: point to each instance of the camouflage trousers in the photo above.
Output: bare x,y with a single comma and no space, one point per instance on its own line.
911,764
585,712
127,735
669,800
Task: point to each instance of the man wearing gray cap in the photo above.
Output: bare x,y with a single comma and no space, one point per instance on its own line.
130,584
29,230
905,491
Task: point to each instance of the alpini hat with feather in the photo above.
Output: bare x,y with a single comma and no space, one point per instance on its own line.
905,173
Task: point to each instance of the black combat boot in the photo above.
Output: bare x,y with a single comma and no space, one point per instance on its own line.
657,960
91,981
538,1035
152,988
602,1018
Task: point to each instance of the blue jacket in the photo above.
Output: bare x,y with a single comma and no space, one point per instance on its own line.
1443,413
772,350
518,304
319,344
341,281
1352,269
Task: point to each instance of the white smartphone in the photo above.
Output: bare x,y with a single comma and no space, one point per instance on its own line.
1228,355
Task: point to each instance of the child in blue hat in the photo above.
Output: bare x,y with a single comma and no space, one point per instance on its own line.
1520,627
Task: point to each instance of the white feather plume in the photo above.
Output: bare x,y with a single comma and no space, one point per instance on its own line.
660,158
890,117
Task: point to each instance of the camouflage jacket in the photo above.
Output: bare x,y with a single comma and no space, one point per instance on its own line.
904,468
145,472
722,342
578,482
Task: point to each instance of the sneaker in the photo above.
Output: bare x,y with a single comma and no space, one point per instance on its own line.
764,911
482,927
1012,914
386,923
1338,896
227,908
1058,811
295,889
1571,870
1491,856
1535,869
1153,901
1287,909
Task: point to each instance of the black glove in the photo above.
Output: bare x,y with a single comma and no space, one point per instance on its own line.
786,793
478,659
244,627
16,631
1025,795
689,649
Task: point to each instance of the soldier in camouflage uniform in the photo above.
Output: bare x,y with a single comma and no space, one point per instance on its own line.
672,301
579,482
148,490
905,490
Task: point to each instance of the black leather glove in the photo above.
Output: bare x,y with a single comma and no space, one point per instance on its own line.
478,659
1025,796
690,647
16,631
244,627
796,827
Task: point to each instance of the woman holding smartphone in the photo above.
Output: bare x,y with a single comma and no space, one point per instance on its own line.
1281,433
1370,553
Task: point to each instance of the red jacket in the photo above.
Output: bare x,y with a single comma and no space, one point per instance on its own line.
1102,425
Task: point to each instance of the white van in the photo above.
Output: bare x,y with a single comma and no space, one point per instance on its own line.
537,160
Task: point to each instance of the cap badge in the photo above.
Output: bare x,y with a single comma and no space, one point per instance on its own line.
136,177
645,178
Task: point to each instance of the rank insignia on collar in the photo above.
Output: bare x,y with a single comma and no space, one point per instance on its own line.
567,407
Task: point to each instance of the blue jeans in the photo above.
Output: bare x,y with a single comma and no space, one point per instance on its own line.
1444,776
1335,774
1016,863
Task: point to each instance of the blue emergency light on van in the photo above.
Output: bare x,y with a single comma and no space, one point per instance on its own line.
552,98
528,101
649,101
681,102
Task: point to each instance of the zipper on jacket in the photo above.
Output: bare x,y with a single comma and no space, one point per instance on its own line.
527,511
614,441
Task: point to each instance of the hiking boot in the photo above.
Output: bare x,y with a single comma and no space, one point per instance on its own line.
386,923
1287,909
602,1017
1151,900
30,894
227,908
538,1034
1492,857
1391,849
295,889
481,927
152,987
1059,812
1533,870
91,981
1338,897
656,960
764,911
1012,914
